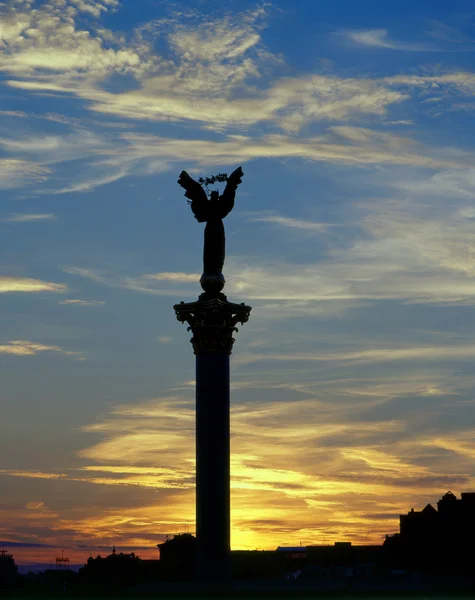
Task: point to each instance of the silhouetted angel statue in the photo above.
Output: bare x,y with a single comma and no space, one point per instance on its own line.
212,212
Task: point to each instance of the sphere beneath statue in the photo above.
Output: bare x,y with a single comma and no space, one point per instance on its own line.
212,284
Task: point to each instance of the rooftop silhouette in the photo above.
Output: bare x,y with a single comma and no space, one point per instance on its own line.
436,537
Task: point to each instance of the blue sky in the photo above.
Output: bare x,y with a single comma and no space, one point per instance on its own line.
352,237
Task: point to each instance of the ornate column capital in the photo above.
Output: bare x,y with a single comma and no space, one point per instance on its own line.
213,321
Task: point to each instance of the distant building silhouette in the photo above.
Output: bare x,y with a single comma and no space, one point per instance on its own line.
343,554
177,557
432,538
8,568
118,570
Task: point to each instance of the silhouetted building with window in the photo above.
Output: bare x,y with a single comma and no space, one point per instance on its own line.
343,554
257,564
295,552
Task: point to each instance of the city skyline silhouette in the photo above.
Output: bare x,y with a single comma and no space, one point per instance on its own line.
436,532
428,553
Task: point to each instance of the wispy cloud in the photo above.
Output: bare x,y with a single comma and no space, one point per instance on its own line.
344,144
461,81
140,153
375,355
213,76
179,277
13,113
25,284
93,181
92,274
26,348
16,173
77,302
31,474
201,80
30,217
290,222
138,283
447,33
379,38
438,37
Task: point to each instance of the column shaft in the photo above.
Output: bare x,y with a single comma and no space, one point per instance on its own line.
212,467
212,319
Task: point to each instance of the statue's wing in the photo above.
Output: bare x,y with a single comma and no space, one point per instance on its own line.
226,200
197,196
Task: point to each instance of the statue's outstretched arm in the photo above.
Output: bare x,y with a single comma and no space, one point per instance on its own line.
226,200
198,199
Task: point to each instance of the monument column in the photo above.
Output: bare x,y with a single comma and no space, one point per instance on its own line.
212,320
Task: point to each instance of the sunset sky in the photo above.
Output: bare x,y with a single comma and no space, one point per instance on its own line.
353,238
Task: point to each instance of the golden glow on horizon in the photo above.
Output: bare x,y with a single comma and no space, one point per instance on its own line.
288,486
